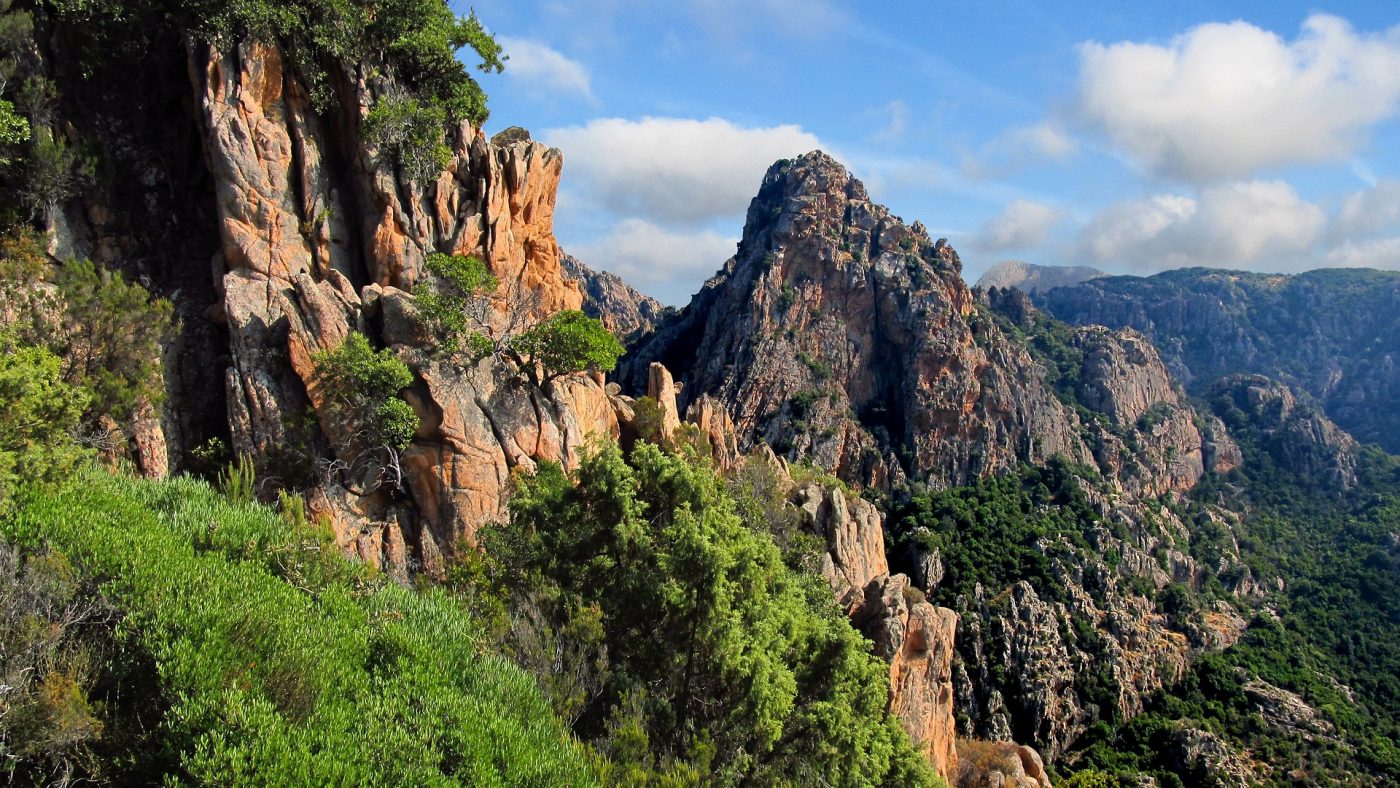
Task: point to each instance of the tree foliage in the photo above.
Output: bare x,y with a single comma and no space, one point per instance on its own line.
107,333
39,419
361,387
567,342
721,660
456,302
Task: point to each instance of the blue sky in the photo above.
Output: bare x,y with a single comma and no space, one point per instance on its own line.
1130,136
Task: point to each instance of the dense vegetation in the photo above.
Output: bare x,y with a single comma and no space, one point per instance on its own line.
693,650
992,533
1333,636
234,646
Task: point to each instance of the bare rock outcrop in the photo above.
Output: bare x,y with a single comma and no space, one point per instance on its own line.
1030,278
311,252
917,640
623,310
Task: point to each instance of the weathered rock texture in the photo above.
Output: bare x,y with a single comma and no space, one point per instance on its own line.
622,309
1298,436
1334,334
320,236
841,335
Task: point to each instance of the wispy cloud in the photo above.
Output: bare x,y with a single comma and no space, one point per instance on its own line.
542,70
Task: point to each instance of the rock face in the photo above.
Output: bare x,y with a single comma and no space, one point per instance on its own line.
1332,334
1298,436
841,335
622,309
1031,279
311,251
1123,378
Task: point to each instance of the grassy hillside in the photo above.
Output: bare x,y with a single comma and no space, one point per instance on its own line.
236,648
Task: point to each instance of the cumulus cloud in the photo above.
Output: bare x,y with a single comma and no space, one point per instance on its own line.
674,169
1020,225
1224,101
1252,224
1018,149
544,70
665,264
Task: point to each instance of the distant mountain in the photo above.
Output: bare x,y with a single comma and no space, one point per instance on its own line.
1333,334
624,310
1031,278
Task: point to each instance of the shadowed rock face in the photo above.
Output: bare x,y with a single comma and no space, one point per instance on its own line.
625,311
842,335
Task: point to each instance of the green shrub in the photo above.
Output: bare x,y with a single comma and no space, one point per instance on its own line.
360,387
721,658
564,343
39,419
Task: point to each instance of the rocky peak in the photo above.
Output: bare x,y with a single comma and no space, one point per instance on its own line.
841,334
1031,279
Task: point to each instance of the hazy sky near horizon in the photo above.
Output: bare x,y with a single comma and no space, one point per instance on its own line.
1134,137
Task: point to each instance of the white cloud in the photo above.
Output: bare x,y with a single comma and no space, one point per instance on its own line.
1378,253
665,264
1254,224
544,70
1369,211
674,169
1223,101
1019,148
1020,225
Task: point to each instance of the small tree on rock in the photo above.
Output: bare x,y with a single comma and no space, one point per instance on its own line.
457,304
361,387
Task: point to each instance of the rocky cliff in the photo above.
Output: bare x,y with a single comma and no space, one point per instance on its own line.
1330,334
306,232
622,309
844,336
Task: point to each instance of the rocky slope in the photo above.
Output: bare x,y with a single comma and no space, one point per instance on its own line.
1332,334
842,337
622,309
1030,278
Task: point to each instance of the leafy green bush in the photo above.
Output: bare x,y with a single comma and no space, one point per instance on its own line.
276,662
361,386
721,659
39,418
455,302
